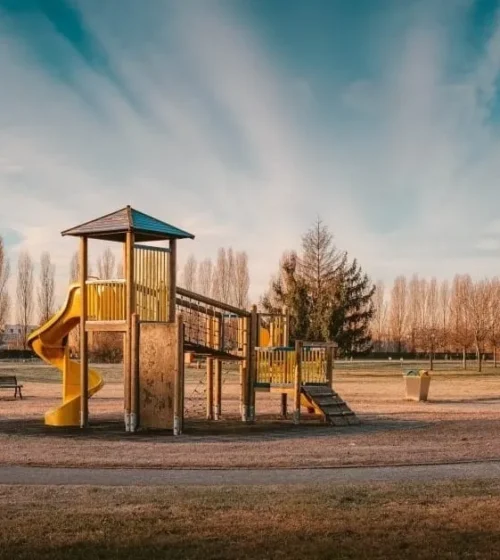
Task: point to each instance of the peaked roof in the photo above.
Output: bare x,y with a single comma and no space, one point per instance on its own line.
114,226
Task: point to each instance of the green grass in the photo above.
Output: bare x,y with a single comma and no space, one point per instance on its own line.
379,521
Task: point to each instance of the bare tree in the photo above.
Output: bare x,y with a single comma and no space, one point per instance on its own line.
444,314
494,335
74,268
478,305
24,294
106,265
189,279
223,273
241,280
4,277
205,277
46,288
460,330
379,319
414,305
398,311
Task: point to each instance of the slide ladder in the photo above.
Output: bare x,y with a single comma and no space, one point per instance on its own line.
329,404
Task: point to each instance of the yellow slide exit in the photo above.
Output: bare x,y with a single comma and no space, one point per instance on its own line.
47,342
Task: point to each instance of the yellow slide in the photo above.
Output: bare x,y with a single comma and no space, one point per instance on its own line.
47,342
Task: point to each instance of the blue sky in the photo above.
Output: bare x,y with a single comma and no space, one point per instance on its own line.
242,120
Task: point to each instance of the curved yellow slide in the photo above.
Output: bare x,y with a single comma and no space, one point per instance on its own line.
47,342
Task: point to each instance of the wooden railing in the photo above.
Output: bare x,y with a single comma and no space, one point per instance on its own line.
276,366
212,324
106,300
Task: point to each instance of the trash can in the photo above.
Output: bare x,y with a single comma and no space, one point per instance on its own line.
417,383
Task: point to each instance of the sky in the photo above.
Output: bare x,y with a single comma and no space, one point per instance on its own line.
242,121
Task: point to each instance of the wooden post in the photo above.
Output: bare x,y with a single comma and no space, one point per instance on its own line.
172,280
179,380
330,348
284,403
218,390
84,364
129,310
286,326
298,381
244,370
134,384
254,340
210,388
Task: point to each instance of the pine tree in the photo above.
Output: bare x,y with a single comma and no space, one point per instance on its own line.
321,266
328,297
288,289
350,318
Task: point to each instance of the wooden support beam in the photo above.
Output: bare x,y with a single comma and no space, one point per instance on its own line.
252,369
179,380
298,381
330,349
245,369
210,389
218,390
84,364
172,280
286,326
129,309
134,381
284,403
106,326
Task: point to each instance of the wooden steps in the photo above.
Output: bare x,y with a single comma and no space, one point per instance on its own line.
327,402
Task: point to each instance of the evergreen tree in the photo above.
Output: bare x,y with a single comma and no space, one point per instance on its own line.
321,266
350,317
328,297
288,289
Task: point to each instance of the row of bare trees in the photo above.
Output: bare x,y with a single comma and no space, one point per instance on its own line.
421,315
227,280
28,297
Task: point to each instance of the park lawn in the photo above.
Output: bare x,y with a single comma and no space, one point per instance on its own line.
386,521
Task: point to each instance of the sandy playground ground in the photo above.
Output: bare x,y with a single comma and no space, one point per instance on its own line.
461,422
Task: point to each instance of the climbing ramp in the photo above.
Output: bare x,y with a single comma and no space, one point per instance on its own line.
325,401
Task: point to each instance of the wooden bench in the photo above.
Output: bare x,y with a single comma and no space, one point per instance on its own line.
10,382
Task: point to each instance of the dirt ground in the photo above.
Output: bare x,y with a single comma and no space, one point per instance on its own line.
461,422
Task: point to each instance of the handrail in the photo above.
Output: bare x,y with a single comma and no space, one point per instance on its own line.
212,302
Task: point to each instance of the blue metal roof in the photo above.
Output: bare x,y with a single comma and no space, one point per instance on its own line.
143,222
114,226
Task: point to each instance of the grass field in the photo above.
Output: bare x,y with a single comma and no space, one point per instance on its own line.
377,521
460,422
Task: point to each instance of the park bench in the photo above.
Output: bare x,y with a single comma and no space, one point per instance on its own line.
10,382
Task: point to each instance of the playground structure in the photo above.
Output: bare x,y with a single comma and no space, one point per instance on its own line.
161,323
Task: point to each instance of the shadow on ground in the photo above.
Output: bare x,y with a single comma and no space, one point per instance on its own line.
232,429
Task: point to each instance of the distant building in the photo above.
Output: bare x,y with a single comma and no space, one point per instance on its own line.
12,336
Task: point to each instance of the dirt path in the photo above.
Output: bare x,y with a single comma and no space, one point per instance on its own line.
224,477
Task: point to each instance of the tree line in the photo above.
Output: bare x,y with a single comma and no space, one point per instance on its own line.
421,315
226,280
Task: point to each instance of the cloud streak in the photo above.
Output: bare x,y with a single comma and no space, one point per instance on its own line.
186,113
